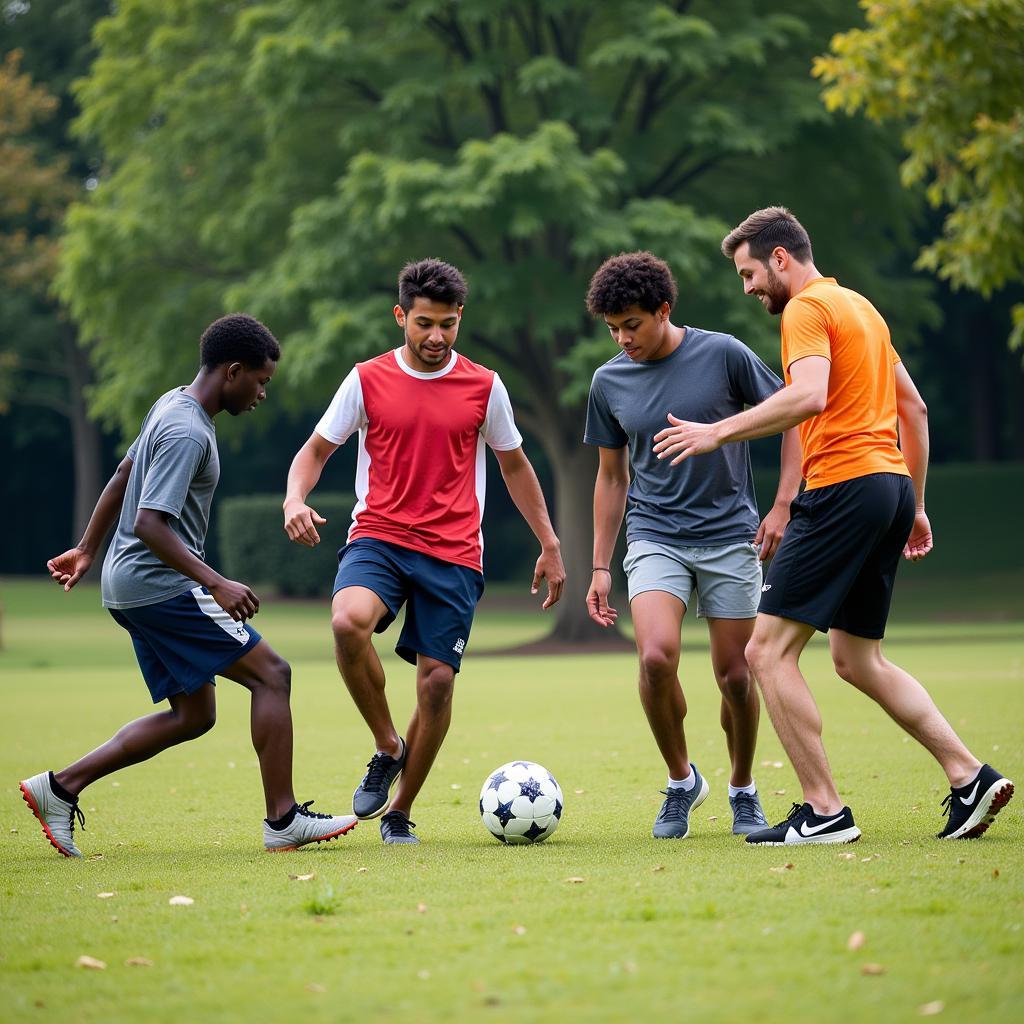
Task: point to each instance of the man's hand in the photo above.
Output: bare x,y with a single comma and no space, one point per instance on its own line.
597,599
300,523
549,567
68,568
236,599
769,533
920,542
684,439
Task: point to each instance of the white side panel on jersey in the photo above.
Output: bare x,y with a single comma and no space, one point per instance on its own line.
481,484
362,480
216,614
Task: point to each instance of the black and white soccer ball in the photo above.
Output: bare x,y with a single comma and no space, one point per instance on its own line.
521,803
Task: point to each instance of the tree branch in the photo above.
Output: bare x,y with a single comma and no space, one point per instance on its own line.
468,241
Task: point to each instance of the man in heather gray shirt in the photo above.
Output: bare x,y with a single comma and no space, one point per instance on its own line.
186,621
690,535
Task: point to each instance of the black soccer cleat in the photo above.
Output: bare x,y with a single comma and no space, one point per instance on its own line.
373,794
972,808
803,827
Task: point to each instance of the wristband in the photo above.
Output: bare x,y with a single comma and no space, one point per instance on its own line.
600,568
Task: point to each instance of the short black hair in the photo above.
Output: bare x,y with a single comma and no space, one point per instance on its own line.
433,279
237,338
766,230
631,279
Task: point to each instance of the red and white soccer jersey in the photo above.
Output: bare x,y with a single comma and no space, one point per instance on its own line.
420,477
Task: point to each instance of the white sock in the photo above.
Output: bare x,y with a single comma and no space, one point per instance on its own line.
687,783
749,790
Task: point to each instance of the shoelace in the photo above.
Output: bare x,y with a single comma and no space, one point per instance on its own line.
746,808
398,823
794,812
947,804
76,812
376,771
674,808
304,810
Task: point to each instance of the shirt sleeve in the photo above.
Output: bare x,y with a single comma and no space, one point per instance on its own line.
347,412
602,428
807,327
499,428
171,470
749,377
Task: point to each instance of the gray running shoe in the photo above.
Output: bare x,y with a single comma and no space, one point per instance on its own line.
747,814
394,829
56,816
306,827
373,794
673,821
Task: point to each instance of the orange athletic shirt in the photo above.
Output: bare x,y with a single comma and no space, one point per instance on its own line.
855,434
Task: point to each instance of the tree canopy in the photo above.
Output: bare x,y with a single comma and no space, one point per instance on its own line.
952,71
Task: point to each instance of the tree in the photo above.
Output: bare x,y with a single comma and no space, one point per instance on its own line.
42,365
953,72
288,158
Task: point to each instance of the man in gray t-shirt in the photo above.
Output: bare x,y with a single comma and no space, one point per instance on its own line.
693,530
186,621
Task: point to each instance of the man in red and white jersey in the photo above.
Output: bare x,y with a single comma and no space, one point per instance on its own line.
423,414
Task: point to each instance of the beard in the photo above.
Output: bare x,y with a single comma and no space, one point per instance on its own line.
776,294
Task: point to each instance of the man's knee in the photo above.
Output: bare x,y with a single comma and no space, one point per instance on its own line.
734,680
195,720
352,629
658,663
274,674
436,688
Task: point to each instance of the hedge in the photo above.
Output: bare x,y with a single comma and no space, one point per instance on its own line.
255,549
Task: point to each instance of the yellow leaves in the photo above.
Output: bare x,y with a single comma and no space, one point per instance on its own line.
181,901
575,880
138,961
91,963
872,970
105,895
932,1008
855,941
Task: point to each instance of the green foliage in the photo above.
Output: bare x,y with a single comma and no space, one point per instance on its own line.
952,71
255,549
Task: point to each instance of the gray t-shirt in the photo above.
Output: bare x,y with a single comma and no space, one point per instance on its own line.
175,470
707,500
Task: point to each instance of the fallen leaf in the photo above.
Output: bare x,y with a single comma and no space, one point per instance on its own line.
91,962
95,856
455,785
181,901
575,879
872,969
104,895
931,1009
362,871
767,764
579,792
14,831
314,987
113,917
780,792
519,930
423,975
421,908
855,941
714,817
995,872
776,764
303,878
783,867
865,860
243,908
847,856
659,867
138,961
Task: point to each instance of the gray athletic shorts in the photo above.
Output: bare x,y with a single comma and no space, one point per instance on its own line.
727,578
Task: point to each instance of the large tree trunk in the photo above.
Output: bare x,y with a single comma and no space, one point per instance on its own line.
85,436
574,471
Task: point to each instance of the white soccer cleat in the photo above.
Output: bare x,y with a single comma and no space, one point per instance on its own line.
55,814
307,827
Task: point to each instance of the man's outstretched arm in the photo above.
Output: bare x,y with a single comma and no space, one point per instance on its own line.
301,521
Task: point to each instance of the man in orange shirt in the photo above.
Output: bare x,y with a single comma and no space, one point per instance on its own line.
863,506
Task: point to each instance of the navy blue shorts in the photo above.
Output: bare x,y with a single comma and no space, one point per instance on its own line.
184,642
836,565
440,597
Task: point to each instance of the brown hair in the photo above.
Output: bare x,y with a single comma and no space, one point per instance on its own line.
767,229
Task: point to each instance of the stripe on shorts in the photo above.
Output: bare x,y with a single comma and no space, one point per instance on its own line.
209,607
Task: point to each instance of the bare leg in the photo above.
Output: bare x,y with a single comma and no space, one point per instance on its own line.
189,716
741,709
774,657
355,613
860,661
267,677
657,620
435,684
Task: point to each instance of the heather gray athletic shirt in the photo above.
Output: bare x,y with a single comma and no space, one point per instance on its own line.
175,469
707,500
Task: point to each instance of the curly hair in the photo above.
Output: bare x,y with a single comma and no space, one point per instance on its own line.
768,229
238,338
631,279
433,279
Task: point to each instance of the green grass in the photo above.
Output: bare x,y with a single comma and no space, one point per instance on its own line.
461,928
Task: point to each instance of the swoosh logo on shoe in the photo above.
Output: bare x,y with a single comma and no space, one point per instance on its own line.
810,830
967,801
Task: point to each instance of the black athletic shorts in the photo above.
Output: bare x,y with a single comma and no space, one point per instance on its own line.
836,565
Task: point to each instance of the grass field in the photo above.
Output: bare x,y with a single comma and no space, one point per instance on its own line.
601,923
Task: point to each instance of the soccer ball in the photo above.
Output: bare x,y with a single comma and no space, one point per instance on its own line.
521,803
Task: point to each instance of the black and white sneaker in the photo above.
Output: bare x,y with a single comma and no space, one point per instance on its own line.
373,794
972,808
804,827
394,829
